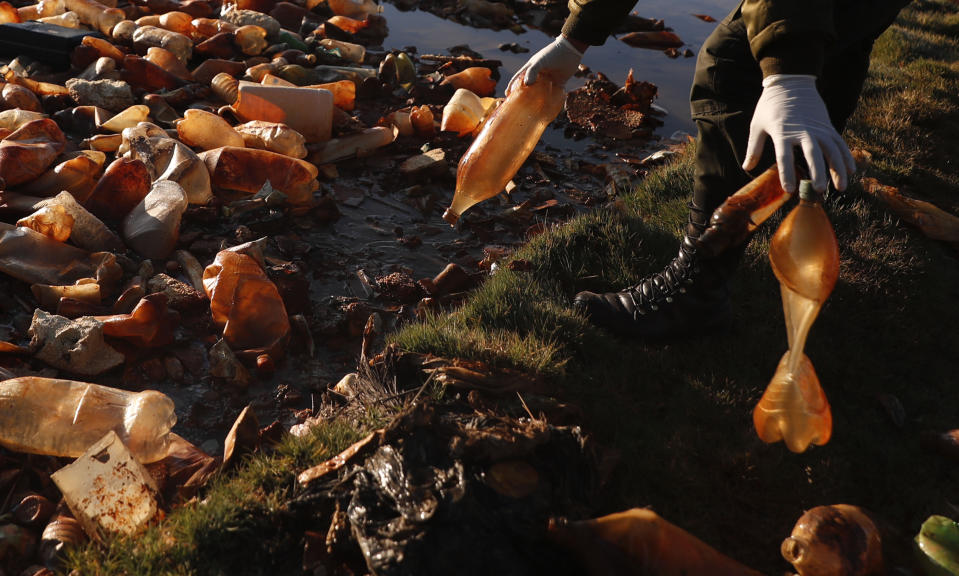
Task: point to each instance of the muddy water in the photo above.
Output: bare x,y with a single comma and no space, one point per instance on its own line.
431,34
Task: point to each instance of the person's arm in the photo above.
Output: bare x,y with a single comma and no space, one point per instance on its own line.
788,39
589,24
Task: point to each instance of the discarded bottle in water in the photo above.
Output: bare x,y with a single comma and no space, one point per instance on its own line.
246,170
505,142
65,417
476,79
805,258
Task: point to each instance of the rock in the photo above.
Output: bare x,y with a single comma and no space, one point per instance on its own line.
399,287
180,295
76,346
114,95
247,17
428,163
225,365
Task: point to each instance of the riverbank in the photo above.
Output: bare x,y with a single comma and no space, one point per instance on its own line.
679,415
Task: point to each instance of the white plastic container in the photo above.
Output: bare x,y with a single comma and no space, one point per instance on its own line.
309,111
107,490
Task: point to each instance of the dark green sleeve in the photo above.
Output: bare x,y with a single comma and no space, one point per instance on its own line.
591,21
789,36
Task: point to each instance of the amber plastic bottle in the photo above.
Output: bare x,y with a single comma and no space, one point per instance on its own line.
805,258
505,142
65,417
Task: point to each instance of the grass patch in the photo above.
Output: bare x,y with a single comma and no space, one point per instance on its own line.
238,528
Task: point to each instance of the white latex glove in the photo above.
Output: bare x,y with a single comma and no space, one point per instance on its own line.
791,112
560,59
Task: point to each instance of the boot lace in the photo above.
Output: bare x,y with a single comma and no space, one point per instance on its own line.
660,288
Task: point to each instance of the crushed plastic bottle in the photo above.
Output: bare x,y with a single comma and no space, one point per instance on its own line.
505,142
246,170
52,221
152,227
123,185
344,93
65,417
149,325
179,44
805,258
274,137
250,39
245,303
353,144
30,150
76,175
35,259
95,14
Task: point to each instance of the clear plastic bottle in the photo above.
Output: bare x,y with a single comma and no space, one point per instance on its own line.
505,142
804,256
65,417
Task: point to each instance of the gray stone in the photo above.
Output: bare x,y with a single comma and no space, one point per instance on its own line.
76,346
114,95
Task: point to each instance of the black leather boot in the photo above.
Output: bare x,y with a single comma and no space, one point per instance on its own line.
690,295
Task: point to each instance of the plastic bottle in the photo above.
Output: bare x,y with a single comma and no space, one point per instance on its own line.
88,232
250,39
225,87
209,69
30,150
123,185
168,61
147,76
127,118
344,93
77,175
463,113
504,143
246,170
51,221
354,8
95,14
103,47
35,259
204,131
16,96
245,303
67,20
149,325
805,258
152,228
743,212
274,137
639,541
353,144
65,417
347,50
179,44
476,79
9,14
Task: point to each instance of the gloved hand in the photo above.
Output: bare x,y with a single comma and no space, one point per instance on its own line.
791,112
560,59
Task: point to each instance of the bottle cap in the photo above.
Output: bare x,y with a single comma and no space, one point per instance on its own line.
807,192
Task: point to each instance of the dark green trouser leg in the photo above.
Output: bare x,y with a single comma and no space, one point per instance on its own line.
728,83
